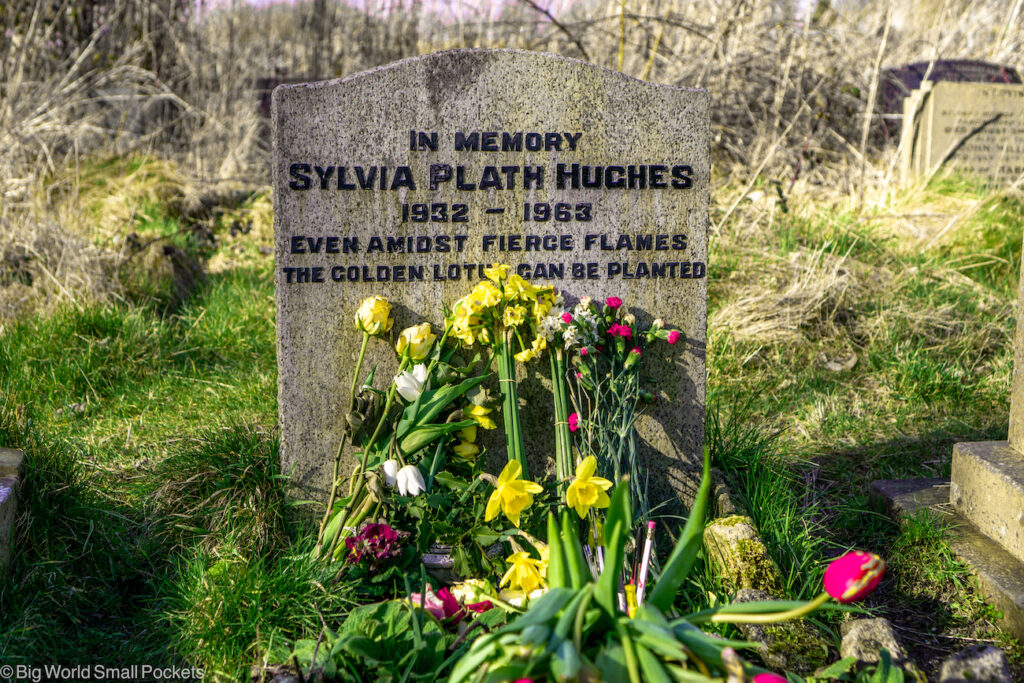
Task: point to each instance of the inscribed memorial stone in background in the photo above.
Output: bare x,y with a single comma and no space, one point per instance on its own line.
974,128
405,181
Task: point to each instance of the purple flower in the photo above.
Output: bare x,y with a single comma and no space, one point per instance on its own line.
374,544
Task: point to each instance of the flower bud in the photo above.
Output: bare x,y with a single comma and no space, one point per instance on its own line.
657,324
854,576
373,316
410,383
410,481
414,343
390,469
632,358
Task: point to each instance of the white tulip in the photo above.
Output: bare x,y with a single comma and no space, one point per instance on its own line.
410,384
410,481
390,469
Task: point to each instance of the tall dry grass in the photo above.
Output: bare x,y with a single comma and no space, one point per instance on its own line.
178,81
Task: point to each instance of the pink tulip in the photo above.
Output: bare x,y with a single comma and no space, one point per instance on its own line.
854,575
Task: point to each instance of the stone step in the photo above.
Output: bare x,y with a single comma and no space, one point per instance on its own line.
987,487
1000,575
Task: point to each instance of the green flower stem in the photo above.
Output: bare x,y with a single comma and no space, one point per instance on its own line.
510,400
341,447
563,439
772,617
360,480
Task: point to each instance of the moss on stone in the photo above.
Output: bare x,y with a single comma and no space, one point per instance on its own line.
755,567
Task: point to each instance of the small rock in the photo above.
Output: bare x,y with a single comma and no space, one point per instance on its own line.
76,408
863,638
724,504
976,664
788,645
738,552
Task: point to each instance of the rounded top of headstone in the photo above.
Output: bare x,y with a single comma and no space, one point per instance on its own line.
447,66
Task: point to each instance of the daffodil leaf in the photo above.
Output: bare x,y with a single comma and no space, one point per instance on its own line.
432,402
650,666
685,552
616,527
540,612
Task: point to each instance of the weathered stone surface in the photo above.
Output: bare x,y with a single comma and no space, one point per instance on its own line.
974,128
976,664
404,118
787,646
11,462
738,552
999,574
725,504
987,487
8,511
899,497
864,638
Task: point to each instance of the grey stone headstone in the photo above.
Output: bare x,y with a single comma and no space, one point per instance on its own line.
607,157
974,128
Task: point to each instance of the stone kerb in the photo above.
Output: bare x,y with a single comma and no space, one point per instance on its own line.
406,180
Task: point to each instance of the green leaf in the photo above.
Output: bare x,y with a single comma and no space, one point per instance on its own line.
839,668
650,666
576,571
449,480
685,552
432,402
565,662
420,437
540,612
616,527
482,650
556,555
611,661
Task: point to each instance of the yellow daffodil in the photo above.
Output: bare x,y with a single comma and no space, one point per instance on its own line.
484,295
518,287
468,434
373,316
496,272
587,491
514,315
524,574
512,495
479,413
525,355
415,342
466,450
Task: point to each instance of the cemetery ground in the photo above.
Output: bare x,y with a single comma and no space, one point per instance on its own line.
844,347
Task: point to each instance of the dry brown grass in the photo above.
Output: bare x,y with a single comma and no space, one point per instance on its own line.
790,91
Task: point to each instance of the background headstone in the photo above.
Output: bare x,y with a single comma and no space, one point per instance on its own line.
899,81
974,128
604,158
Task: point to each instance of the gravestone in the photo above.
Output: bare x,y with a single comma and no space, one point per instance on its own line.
898,82
406,180
974,128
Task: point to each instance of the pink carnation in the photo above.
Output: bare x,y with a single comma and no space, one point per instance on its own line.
566,318
574,422
618,330
583,351
613,302
636,350
673,336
